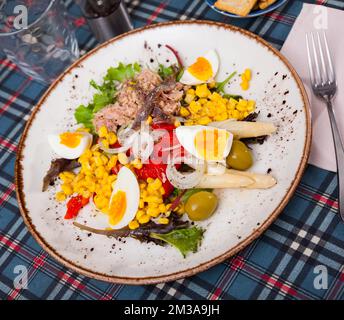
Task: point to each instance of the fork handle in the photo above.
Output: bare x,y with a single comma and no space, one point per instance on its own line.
339,149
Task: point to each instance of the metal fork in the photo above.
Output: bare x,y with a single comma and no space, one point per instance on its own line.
324,85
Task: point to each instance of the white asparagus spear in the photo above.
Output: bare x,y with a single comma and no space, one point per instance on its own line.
261,181
245,129
235,179
226,180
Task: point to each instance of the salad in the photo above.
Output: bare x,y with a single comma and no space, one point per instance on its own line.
151,148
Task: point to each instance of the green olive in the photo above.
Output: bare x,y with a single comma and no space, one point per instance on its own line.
201,205
240,157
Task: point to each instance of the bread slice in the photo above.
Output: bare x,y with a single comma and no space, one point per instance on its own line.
239,7
263,4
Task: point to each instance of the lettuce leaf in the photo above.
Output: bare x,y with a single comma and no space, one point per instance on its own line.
220,86
165,72
185,240
105,94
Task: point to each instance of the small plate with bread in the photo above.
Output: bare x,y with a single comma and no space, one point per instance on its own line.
244,8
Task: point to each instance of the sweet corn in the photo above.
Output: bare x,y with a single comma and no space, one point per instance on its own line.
153,212
133,225
245,85
137,163
112,138
102,132
149,120
139,214
144,219
67,189
123,159
202,91
163,221
60,196
207,107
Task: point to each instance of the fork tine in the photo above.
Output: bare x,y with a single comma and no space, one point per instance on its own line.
324,73
316,61
332,73
310,61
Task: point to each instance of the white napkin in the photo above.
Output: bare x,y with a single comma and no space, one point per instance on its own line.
311,18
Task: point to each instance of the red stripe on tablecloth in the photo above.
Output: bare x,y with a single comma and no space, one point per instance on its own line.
156,12
73,282
8,243
216,294
6,195
13,294
7,144
13,97
325,200
39,261
237,263
8,64
280,17
280,285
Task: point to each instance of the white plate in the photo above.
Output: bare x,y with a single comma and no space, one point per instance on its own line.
242,215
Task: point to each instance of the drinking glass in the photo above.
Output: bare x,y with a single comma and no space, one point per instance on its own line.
38,37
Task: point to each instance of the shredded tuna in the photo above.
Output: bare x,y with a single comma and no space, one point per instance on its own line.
131,98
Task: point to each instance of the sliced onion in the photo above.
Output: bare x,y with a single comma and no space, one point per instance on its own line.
143,146
184,180
114,150
124,133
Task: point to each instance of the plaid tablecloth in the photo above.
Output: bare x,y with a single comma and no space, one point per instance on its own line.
284,263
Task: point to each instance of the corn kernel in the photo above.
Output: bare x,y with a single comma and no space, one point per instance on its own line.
102,132
202,91
133,225
244,85
162,208
153,212
67,189
112,138
139,214
149,120
150,180
177,123
189,98
144,219
248,74
123,159
184,112
191,91
163,221
204,120
60,196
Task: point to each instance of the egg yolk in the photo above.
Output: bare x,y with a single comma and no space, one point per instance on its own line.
201,69
211,144
117,207
70,139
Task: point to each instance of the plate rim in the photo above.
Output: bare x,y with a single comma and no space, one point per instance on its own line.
203,266
260,12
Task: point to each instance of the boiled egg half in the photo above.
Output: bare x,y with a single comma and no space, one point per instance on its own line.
205,142
124,201
70,145
203,70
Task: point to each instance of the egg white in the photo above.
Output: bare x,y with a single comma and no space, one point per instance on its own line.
186,136
127,182
66,152
213,59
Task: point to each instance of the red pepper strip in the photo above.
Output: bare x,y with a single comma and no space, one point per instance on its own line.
116,168
175,203
176,54
74,205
